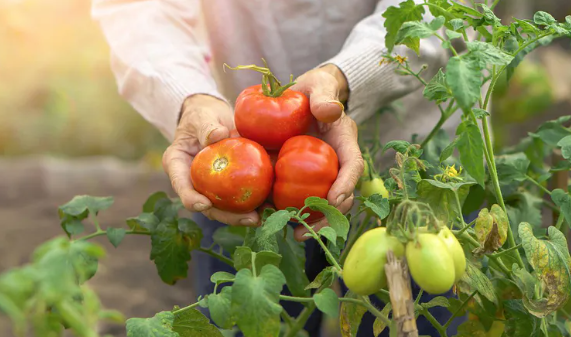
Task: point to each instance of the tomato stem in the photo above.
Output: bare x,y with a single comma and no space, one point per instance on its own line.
458,310
276,89
178,311
536,183
318,239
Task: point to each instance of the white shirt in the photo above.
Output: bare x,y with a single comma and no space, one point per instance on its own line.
166,50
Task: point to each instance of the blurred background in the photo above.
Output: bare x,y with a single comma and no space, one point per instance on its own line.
65,131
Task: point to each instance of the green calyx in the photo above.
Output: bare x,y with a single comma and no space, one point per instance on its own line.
271,86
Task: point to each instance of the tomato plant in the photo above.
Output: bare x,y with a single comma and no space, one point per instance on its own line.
508,266
235,174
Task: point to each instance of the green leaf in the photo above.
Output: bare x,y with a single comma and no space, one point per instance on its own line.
243,258
337,221
491,229
351,315
328,302
397,145
415,30
275,223
562,165
519,323
255,301
543,19
220,307
465,9
115,235
480,113
448,150
229,237
379,325
192,232
552,132
81,203
396,16
379,205
457,23
453,35
490,17
440,196
439,301
166,209
160,325
149,205
192,323
143,221
524,207
464,79
484,53
471,148
72,225
437,89
565,144
221,277
512,167
550,260
329,233
563,200
170,252
325,278
473,279
471,329
292,264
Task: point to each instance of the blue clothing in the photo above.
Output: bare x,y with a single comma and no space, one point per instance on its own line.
315,262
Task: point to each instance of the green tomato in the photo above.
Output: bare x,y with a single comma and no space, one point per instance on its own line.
430,264
364,269
455,250
374,186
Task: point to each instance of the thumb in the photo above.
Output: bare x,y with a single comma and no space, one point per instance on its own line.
211,131
323,91
209,120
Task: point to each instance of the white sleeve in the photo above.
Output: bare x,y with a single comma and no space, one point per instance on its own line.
157,55
372,86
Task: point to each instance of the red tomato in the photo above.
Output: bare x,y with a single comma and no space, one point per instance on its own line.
271,121
235,174
306,167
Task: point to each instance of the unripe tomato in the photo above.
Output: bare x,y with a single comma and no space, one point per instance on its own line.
455,250
306,167
235,174
430,264
364,268
271,121
374,186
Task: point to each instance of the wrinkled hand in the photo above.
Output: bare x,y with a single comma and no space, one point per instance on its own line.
204,120
326,87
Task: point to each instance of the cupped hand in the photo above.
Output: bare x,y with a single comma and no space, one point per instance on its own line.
204,120
326,87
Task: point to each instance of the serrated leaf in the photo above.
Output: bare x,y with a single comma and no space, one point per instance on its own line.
471,148
457,23
328,302
563,200
243,258
81,203
473,279
170,252
512,167
221,277
379,325
415,30
484,53
397,145
396,16
439,301
519,323
192,323
115,235
489,16
480,113
440,196
437,89
292,264
160,325
255,301
379,205
275,223
351,315
229,237
337,221
491,229
464,79
544,19
329,233
550,260
220,308
191,231
325,278
143,221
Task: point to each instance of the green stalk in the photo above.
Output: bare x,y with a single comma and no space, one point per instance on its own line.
541,187
441,329
447,324
318,239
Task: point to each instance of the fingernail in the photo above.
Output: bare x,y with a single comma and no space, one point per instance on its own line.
340,199
199,207
247,222
338,103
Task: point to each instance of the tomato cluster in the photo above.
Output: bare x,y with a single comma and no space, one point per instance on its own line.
435,261
237,174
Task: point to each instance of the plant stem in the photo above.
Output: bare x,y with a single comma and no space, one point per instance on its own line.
444,115
559,221
178,311
323,246
218,256
441,329
459,308
95,221
444,40
418,297
354,236
300,321
101,232
493,258
459,205
367,304
287,318
536,183
505,251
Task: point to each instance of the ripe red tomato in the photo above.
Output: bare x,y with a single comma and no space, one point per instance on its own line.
235,174
306,167
270,121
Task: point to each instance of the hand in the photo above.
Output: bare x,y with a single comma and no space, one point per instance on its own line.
204,120
326,87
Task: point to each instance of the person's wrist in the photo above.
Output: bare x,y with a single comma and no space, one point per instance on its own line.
341,80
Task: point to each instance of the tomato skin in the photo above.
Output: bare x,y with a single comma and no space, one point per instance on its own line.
306,167
374,186
455,250
235,174
270,121
364,268
430,264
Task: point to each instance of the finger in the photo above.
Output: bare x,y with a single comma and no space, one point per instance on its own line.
207,125
233,219
300,230
323,92
342,136
176,163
